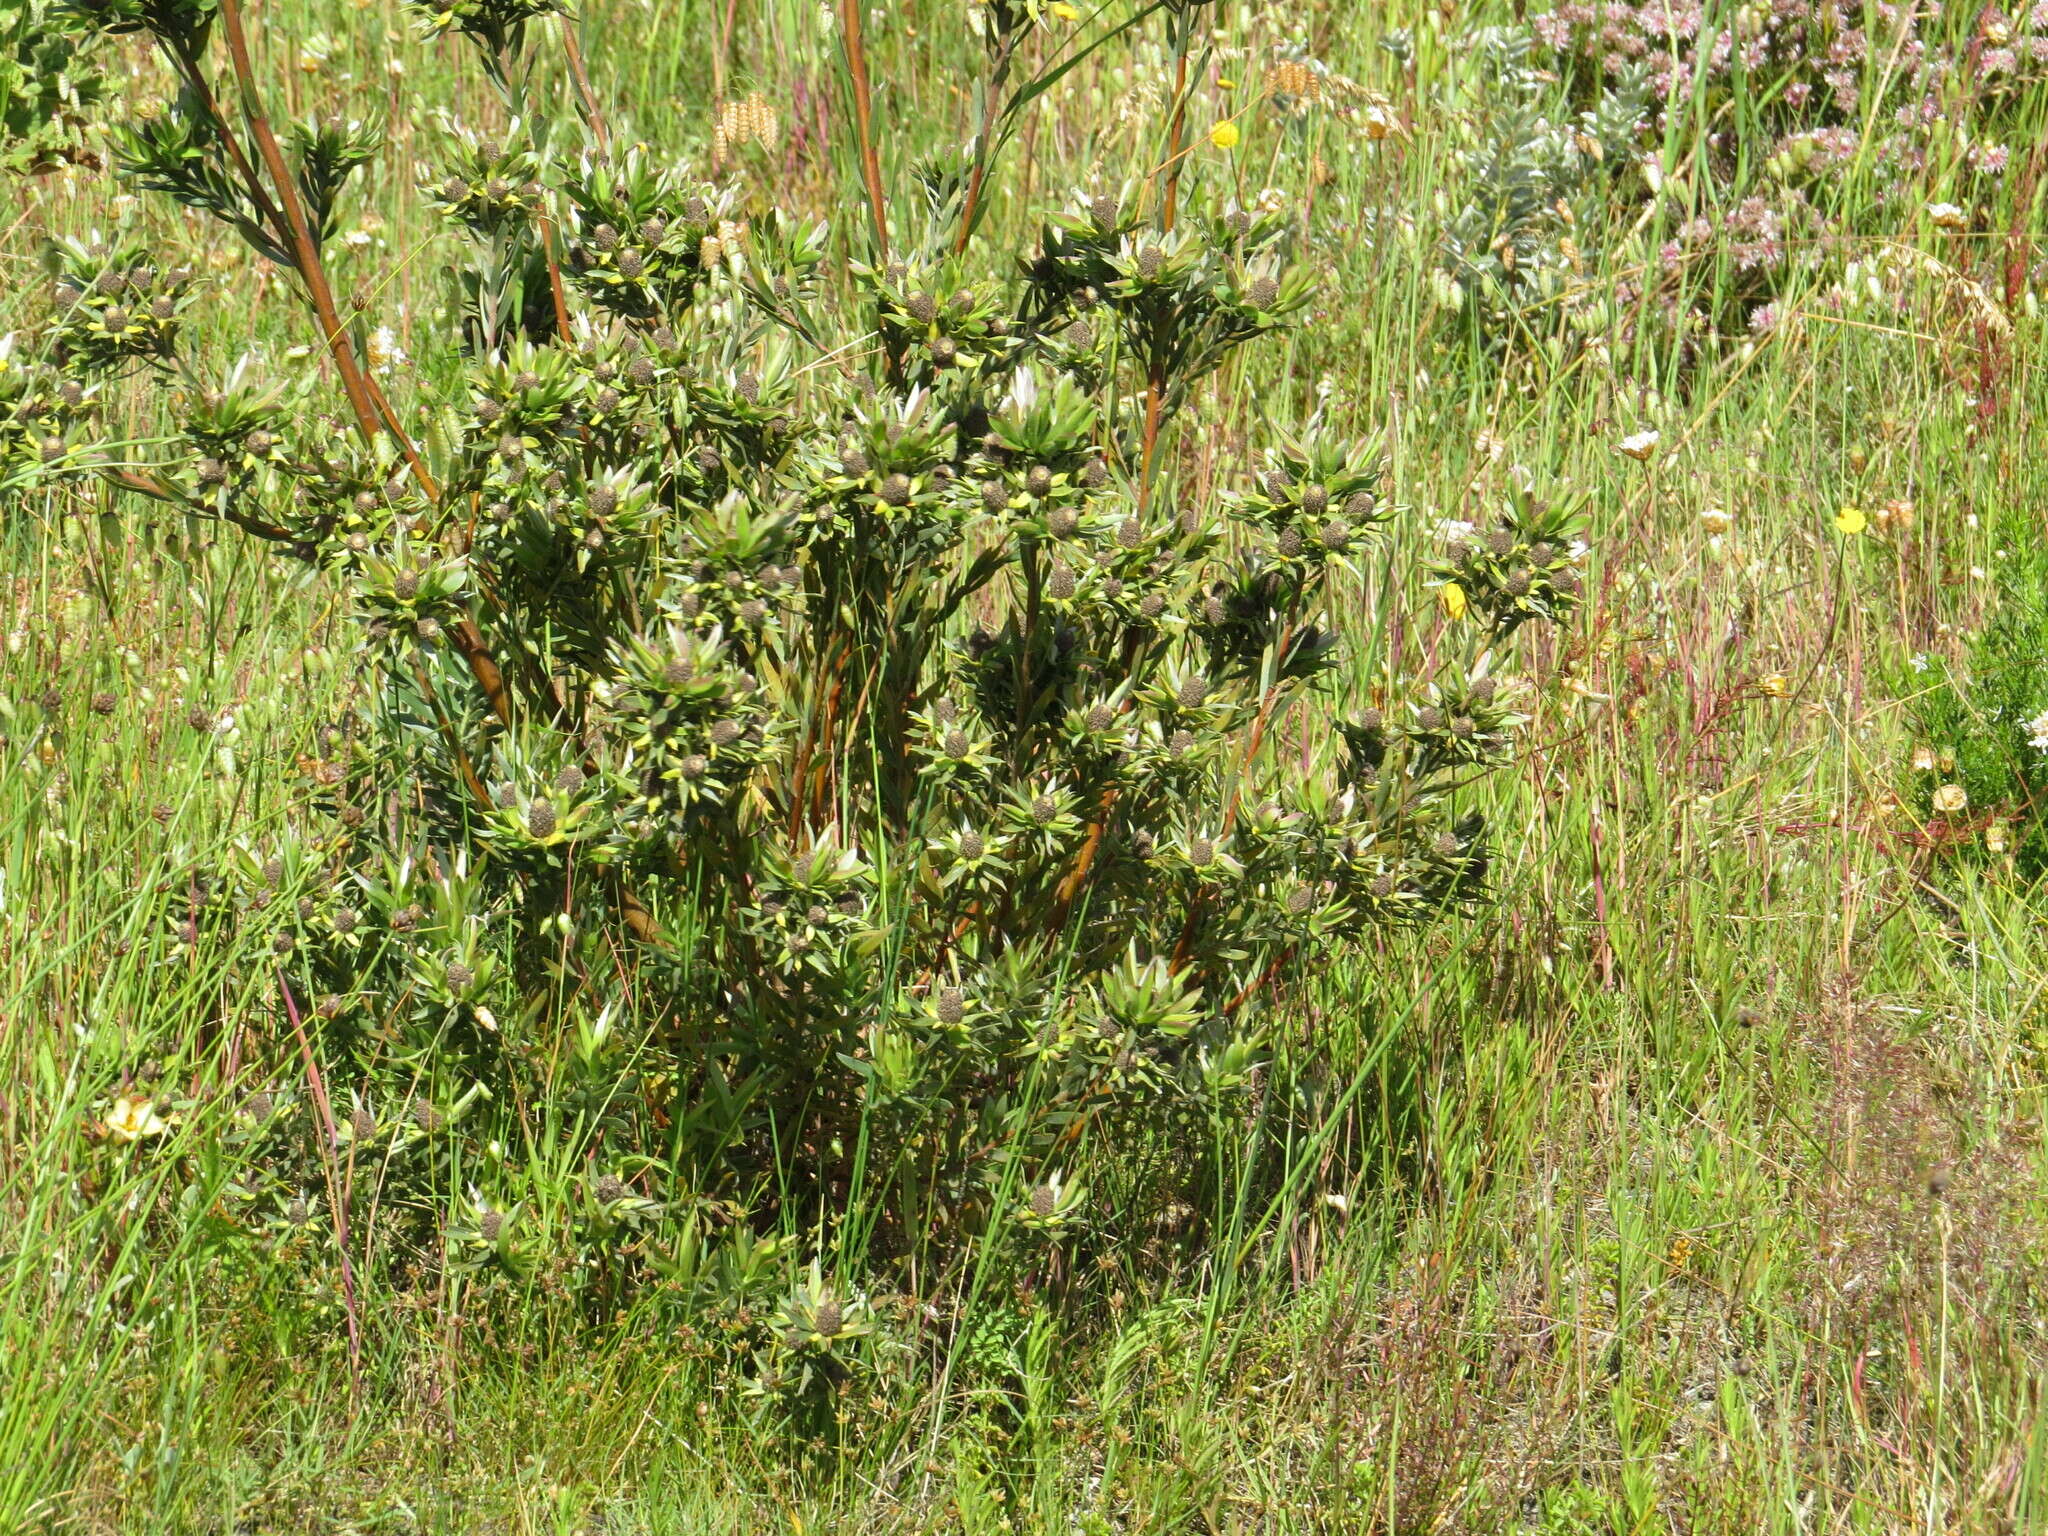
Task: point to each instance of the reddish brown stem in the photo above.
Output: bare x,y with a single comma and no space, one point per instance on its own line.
305,252
863,116
1180,123
316,1086
572,50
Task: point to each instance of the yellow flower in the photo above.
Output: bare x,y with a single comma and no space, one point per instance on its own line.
1773,685
1224,135
131,1119
1452,596
1064,11
1851,521
1951,797
1225,83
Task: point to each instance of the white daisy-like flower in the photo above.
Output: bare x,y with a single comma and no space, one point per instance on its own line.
2037,732
1639,445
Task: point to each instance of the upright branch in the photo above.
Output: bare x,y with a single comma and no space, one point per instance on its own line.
863,119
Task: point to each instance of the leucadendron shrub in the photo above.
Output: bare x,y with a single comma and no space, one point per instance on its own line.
835,776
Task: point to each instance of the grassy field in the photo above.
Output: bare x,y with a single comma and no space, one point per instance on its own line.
1693,1184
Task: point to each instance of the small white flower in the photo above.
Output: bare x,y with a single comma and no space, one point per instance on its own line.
1639,445
1947,216
385,352
2037,732
1715,521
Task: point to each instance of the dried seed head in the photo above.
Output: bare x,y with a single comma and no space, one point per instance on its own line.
1500,543
1238,223
817,915
921,307
425,1116
1484,689
406,919
209,471
511,448
944,351
1201,853
1044,809
1130,533
297,1212
405,586
1062,522
1300,899
1192,693
1517,584
828,1319
1144,844
282,943
993,497
952,1005
1371,721
114,317
695,209
1567,582
1079,333
1149,260
344,921
1335,534
104,703
725,732
956,744
1213,611
654,231
1445,845
259,1105
362,1122
428,629
676,675
1100,717
163,308
895,491
1151,605
490,1225
852,462
604,501
540,819
748,387
1430,718
1315,499
1038,480
1060,585
945,711
753,611
1044,1201
604,237
695,766
460,977
1264,291
1181,743
1105,212
609,1187
640,372
1462,727
708,460
1289,542
972,844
